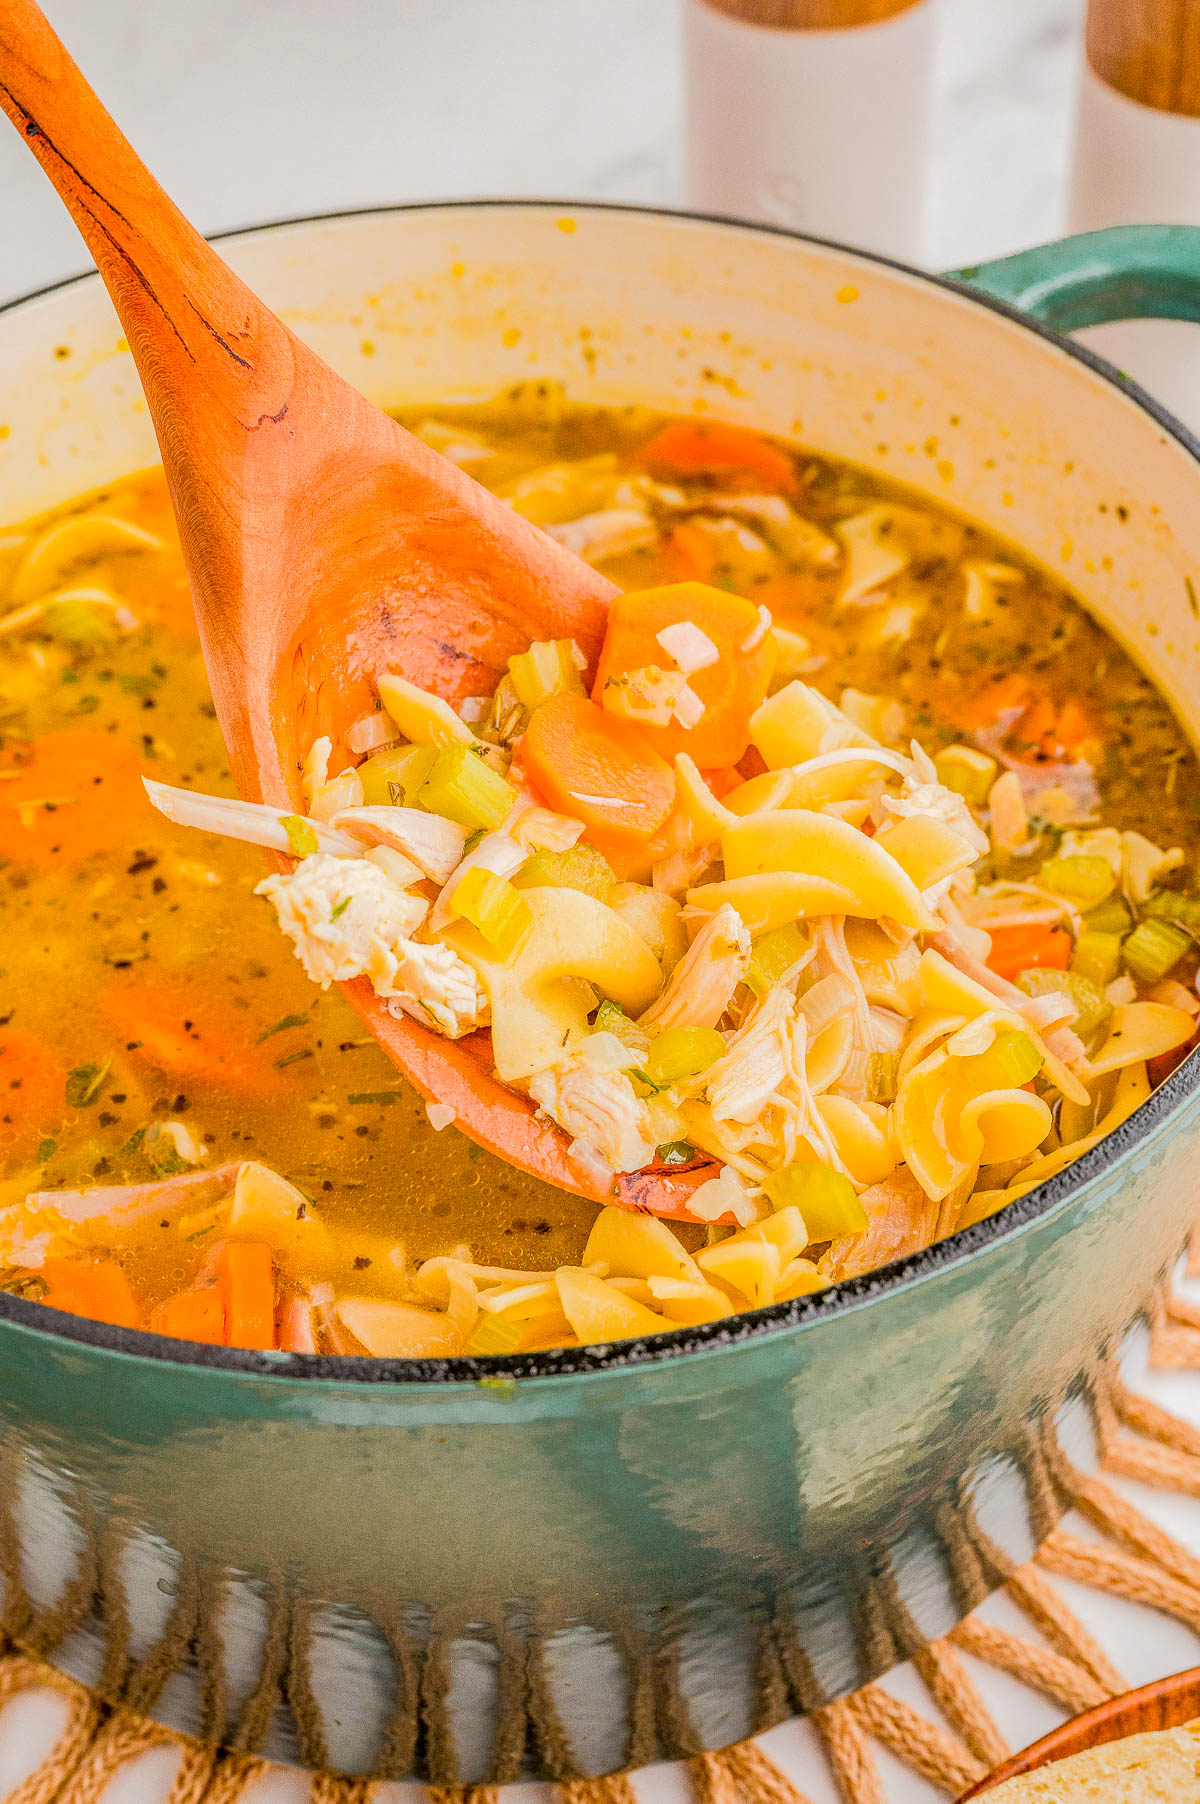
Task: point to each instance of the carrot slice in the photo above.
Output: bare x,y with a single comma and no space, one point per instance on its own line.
194,1036
1027,948
193,1315
68,795
33,1086
246,1284
697,447
598,768
1000,695
93,1287
693,550
730,689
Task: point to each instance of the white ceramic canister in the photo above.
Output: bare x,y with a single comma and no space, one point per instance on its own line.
1137,160
812,114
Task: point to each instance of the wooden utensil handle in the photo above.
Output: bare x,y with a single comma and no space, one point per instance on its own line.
811,15
178,302
1149,50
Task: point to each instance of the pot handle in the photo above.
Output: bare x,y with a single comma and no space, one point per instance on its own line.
1123,272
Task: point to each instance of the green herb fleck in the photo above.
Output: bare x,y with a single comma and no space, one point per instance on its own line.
83,1084
166,1163
473,839
676,1152
293,1058
281,1026
335,914
133,1144
383,1097
302,837
46,1150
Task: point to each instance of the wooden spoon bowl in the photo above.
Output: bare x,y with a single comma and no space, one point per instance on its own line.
1166,1704
324,544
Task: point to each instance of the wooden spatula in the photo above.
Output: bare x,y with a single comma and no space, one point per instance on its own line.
324,544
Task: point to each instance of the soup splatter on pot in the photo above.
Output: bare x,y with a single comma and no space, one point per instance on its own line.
856,886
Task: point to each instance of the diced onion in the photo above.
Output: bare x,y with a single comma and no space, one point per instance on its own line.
371,732
440,1115
757,634
254,822
691,648
688,709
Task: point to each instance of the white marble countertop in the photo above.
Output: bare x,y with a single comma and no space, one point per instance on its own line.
248,113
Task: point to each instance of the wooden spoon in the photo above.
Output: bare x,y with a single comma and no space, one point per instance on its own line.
323,543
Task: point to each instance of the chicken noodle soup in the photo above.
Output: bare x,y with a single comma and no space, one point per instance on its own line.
856,887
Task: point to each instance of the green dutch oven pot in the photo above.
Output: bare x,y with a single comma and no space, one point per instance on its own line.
570,1562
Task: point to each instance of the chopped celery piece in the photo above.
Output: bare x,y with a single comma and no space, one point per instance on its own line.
682,1052
1112,916
1091,1009
1012,1058
396,775
675,1152
491,904
580,867
1083,877
461,788
827,1200
302,835
882,1071
78,622
548,666
773,954
967,772
611,1019
1175,905
1154,948
1097,957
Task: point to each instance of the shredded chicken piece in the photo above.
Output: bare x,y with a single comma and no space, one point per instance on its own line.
901,1219
758,1060
343,915
701,986
1010,818
599,1108
610,533
435,844
923,794
433,985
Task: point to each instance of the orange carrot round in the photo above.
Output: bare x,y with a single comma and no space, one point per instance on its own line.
730,689
176,1027
32,1091
1029,948
68,795
97,1288
598,768
246,1283
692,550
193,1315
702,447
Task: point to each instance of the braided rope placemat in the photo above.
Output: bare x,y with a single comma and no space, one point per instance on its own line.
951,1744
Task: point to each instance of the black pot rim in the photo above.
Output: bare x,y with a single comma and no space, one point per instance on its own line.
753,1325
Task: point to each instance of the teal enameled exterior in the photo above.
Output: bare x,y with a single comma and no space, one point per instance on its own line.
581,1561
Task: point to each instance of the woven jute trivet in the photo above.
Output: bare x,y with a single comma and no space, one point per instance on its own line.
951,1744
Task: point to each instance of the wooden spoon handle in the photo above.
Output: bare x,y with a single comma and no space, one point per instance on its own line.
183,309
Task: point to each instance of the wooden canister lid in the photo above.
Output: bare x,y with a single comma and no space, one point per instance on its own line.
1149,50
810,15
